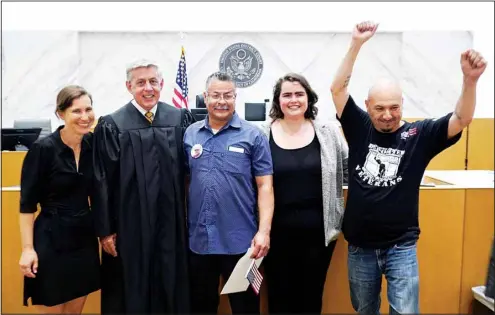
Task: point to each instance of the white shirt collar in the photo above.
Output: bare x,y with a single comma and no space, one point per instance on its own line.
142,110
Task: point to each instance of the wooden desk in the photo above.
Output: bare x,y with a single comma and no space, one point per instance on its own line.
448,217
477,243
456,232
456,224
11,167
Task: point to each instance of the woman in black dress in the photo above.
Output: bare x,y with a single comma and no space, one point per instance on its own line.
60,256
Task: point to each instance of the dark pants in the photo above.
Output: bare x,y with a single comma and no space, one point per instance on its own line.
296,274
205,271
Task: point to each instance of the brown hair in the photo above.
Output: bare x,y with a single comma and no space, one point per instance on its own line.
276,111
68,94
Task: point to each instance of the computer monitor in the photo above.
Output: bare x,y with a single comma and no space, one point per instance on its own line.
255,111
199,113
44,123
19,139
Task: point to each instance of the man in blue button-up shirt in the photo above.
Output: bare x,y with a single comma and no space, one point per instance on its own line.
230,169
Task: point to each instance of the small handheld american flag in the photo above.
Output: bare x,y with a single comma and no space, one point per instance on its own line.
254,277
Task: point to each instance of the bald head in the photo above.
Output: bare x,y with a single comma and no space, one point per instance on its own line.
384,105
385,89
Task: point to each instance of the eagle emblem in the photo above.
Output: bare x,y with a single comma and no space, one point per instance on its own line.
241,68
243,63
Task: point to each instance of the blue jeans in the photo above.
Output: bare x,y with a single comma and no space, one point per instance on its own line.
399,264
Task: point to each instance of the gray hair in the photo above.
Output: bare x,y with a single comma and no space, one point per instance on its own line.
142,63
220,76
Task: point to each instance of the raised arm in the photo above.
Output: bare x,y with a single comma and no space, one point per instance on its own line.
472,65
360,34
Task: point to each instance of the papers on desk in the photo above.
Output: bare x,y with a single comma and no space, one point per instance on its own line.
425,184
428,185
238,281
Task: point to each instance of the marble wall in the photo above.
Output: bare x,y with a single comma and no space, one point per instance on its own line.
38,63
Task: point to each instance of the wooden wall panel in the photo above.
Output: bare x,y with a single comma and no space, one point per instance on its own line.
480,144
11,167
477,244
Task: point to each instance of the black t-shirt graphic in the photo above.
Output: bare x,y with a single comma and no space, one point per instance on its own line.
385,172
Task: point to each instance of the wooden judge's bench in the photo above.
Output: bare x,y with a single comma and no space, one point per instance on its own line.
456,219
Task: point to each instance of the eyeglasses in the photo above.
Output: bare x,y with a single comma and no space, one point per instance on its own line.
226,97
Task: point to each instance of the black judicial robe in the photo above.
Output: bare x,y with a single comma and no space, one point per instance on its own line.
140,196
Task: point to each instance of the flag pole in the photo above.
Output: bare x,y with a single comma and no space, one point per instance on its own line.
181,34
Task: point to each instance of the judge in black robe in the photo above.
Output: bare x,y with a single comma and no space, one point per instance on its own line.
140,201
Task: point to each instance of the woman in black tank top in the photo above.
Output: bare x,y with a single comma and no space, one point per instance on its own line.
297,264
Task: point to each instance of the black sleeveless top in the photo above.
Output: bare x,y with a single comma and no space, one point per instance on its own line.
297,187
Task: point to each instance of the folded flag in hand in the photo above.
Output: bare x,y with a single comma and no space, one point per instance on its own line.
254,277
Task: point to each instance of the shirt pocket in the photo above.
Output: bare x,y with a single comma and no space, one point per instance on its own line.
235,162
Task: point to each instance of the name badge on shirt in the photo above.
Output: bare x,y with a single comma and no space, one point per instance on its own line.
196,151
235,149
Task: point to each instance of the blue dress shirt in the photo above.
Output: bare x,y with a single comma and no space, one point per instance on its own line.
222,206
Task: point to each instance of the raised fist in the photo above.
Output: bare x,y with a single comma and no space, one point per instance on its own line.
472,64
363,31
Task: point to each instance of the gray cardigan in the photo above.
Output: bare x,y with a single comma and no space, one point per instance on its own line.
334,154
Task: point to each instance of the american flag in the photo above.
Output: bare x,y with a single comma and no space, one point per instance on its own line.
181,91
254,277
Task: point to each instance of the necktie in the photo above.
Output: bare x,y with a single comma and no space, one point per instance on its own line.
149,116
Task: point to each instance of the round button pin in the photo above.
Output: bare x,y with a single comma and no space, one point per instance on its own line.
196,151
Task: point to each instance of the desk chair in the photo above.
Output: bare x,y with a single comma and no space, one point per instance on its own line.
200,101
199,113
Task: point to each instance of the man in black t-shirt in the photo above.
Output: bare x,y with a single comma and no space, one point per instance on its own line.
387,160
